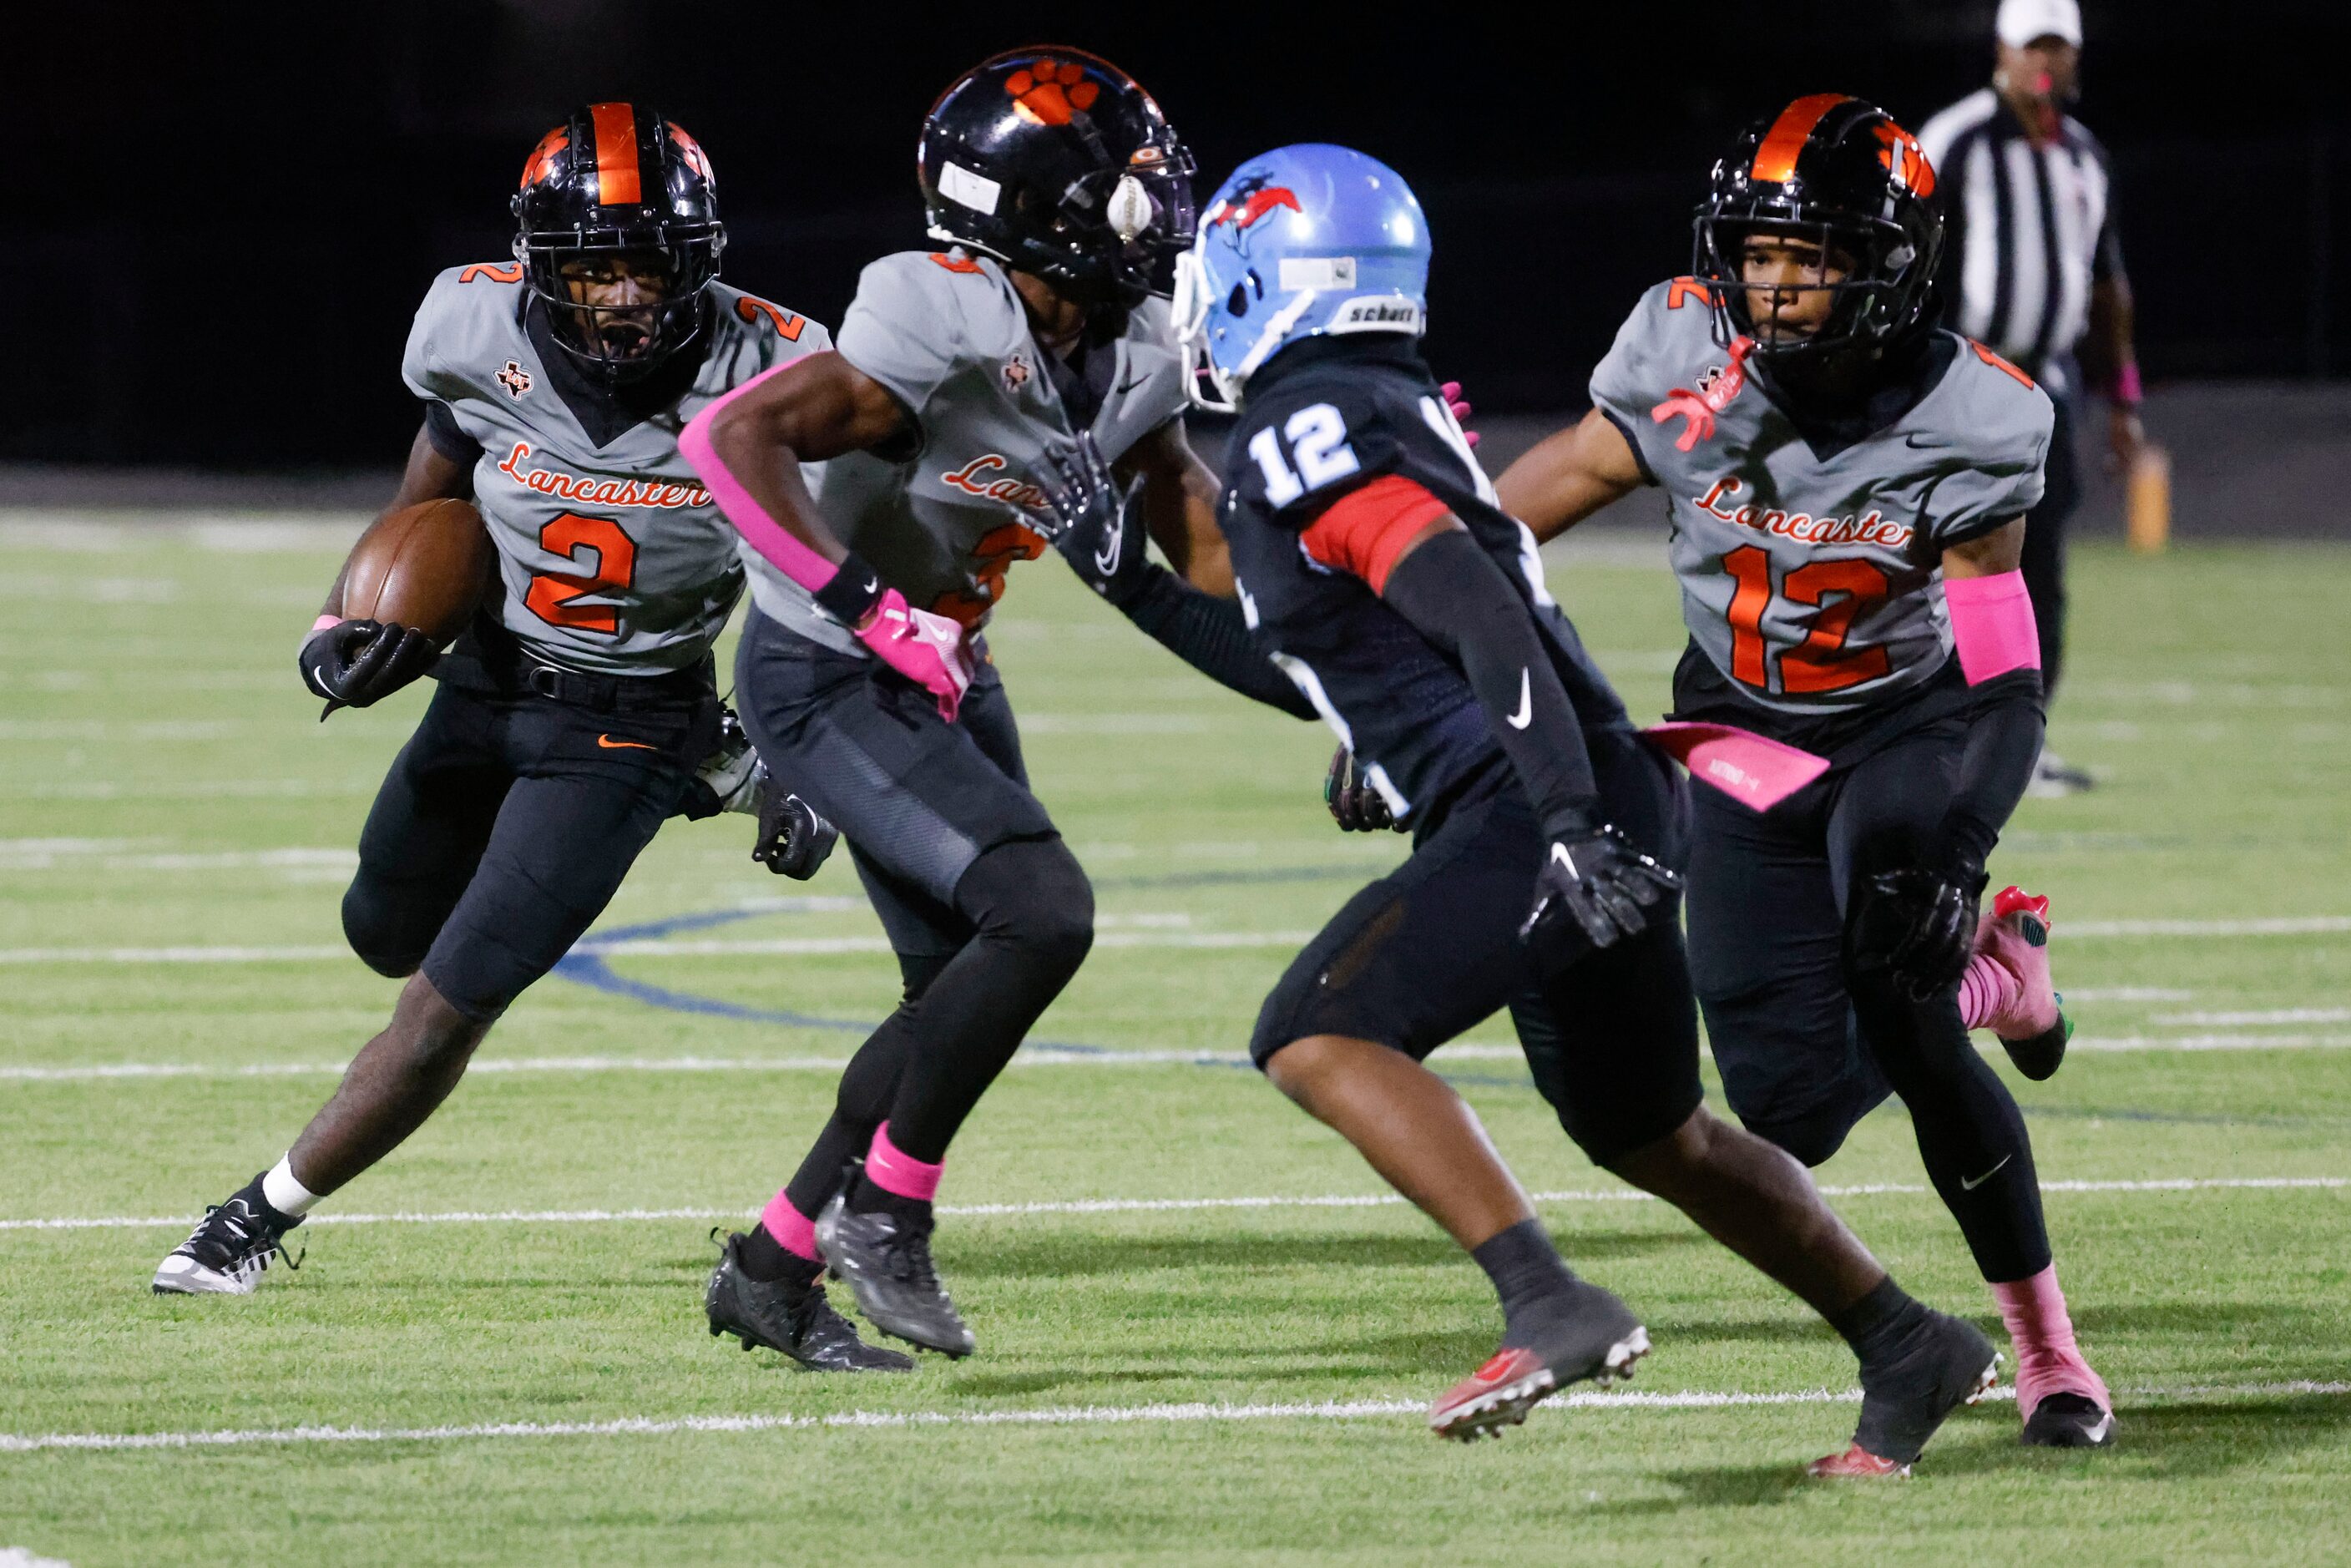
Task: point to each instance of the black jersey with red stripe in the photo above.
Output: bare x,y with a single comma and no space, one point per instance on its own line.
1344,449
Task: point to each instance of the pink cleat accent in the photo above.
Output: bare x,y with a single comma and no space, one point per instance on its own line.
2063,1403
2008,988
1857,1463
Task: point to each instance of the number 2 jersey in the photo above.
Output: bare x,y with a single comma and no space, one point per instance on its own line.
613,557
1811,578
943,517
1345,435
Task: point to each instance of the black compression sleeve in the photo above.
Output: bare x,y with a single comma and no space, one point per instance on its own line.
2003,746
1454,594
1208,633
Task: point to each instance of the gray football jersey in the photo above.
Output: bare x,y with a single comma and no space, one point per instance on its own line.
1814,583
614,559
948,335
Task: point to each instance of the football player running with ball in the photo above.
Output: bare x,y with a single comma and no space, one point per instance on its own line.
1379,574
1847,487
579,711
883,491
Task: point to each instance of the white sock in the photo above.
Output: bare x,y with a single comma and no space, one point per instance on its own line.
286,1195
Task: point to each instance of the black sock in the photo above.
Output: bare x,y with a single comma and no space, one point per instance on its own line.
768,1260
1527,1270
1878,1323
867,1196
251,1192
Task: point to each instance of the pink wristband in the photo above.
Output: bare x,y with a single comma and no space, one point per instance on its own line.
2126,387
774,542
323,622
1992,623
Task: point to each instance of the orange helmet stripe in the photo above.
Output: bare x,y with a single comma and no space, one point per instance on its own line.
617,181
1776,160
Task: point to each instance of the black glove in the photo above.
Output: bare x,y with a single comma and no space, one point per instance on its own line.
1916,927
1097,532
1596,878
1354,805
355,662
793,840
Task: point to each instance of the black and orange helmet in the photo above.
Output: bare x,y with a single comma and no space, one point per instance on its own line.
617,178
1842,174
1055,162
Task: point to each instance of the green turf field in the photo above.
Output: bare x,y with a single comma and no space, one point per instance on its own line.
1180,1382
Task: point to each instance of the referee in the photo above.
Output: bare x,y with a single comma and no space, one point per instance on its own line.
2034,270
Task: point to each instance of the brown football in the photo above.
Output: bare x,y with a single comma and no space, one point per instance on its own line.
425,566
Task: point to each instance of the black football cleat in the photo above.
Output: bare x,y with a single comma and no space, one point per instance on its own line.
2069,1421
1592,1335
796,1320
1942,1364
889,1266
225,1255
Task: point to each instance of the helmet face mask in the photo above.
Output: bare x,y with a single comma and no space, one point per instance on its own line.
1840,182
618,196
1057,163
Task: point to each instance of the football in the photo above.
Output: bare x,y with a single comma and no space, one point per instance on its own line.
425,566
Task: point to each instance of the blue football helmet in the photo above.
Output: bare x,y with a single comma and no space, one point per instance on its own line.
1302,242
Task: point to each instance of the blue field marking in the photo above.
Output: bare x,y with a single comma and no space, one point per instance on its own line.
586,965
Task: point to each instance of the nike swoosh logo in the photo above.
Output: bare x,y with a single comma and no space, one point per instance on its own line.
1112,548
1559,852
320,672
2097,1434
1130,386
1526,714
1967,1186
609,744
871,583
1924,441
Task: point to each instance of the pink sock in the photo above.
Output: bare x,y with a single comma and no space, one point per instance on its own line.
794,1232
2048,1361
893,1170
1984,990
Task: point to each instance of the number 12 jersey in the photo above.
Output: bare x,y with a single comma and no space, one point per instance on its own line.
1811,578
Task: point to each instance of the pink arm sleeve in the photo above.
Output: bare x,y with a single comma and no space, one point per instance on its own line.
1992,621
786,553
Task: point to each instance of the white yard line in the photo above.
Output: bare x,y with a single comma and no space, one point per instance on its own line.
2288,925
2215,1042
1061,1415
1150,1204
2272,1016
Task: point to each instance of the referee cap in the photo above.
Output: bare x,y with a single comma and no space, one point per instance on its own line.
2022,21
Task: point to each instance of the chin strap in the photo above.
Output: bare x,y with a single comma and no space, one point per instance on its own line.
1698,408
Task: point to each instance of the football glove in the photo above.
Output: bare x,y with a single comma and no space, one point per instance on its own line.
1915,927
1595,878
731,779
793,839
1354,805
353,664
1092,525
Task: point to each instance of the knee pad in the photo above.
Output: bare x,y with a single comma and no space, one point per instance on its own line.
1032,893
389,937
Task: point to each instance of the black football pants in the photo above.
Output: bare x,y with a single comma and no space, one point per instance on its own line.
988,910
1804,1050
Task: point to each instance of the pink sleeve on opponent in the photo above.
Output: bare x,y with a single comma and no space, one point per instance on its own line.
752,520
1992,621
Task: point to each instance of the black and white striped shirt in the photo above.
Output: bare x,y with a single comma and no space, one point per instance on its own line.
2031,228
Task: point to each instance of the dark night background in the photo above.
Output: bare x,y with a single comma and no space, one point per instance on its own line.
224,217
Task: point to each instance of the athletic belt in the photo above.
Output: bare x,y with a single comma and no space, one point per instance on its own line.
489,659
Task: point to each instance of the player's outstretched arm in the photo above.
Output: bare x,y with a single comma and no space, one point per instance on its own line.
1452,592
1101,533
749,446
1565,477
1179,498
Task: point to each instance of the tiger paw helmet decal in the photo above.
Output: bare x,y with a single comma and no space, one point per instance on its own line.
1051,92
